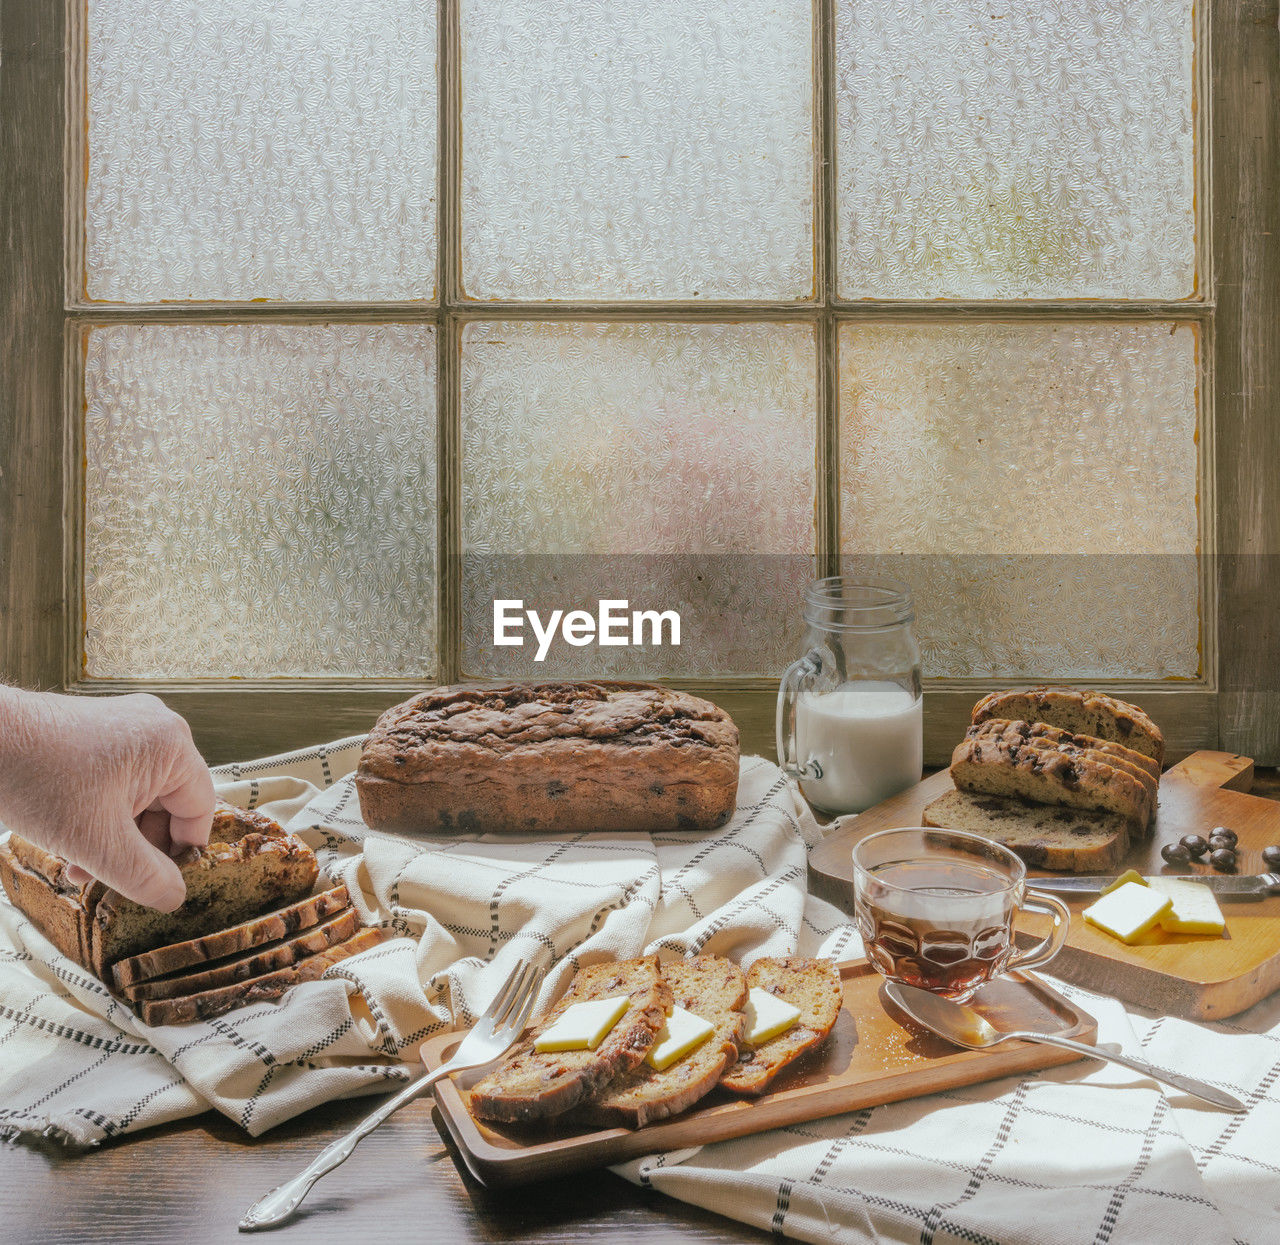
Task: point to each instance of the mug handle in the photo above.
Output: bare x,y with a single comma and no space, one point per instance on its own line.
1043,951
797,675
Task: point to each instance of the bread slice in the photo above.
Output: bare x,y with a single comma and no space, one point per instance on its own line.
811,985
711,987
1080,712
1044,836
250,865
210,1003
531,1085
253,964
1049,776
56,911
259,931
1113,753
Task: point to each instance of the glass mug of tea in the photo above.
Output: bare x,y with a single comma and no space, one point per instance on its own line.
936,908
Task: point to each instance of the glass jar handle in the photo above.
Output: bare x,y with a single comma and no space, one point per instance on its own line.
797,675
1046,949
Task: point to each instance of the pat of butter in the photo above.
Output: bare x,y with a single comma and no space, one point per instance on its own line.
1129,875
767,1016
682,1033
1195,909
582,1026
1129,911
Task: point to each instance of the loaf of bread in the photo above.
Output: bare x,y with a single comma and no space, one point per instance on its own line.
1080,712
558,758
1045,836
532,1085
811,985
1062,775
249,865
711,987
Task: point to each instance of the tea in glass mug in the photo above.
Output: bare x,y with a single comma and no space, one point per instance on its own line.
936,909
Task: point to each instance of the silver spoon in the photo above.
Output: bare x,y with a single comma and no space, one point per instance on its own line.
967,1027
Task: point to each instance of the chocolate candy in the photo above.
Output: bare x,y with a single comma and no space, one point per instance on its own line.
1223,860
1176,854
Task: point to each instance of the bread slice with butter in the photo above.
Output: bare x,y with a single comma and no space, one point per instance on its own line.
814,987
534,1085
709,987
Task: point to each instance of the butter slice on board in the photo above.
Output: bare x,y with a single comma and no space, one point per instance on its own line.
583,1026
1129,911
1195,908
767,1016
1129,875
682,1033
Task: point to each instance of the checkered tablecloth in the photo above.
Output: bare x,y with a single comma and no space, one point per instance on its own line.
1081,1153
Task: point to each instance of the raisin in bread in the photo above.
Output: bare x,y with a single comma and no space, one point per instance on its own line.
991,766
207,1004
558,758
711,987
531,1085
258,931
811,985
1044,836
1080,712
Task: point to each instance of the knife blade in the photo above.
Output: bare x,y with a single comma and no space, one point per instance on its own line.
1224,885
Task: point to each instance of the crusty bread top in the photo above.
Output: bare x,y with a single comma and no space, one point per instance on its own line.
811,985
541,722
1082,712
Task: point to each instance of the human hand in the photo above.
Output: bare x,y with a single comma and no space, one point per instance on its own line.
113,784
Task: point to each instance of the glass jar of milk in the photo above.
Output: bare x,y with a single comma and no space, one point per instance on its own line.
850,725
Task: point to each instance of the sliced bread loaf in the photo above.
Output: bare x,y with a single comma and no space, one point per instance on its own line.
249,866
1080,712
252,964
708,986
531,1084
210,1003
811,985
1112,753
1049,776
258,931
1044,836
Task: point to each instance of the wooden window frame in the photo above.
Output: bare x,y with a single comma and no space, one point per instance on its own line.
46,317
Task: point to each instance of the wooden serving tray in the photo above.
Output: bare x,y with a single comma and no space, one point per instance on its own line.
872,1056
1177,974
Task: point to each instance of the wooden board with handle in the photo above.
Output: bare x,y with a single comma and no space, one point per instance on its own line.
873,1055
1178,974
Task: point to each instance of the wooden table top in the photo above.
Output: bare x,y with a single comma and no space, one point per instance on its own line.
190,1181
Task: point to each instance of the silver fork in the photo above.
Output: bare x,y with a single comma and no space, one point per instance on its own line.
494,1033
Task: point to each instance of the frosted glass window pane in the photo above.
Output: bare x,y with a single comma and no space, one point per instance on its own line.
669,465
242,150
1036,483
1015,150
260,500
621,150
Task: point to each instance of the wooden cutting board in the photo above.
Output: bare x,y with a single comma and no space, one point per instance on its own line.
1177,974
874,1055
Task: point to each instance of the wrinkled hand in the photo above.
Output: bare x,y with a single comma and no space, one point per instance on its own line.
113,784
